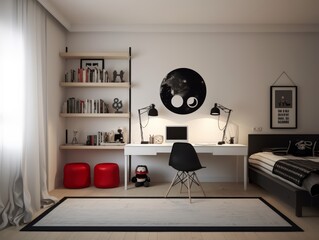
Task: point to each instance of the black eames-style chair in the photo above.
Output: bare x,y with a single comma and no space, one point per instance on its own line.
185,160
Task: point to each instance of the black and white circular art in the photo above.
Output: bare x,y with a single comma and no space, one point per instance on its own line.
183,91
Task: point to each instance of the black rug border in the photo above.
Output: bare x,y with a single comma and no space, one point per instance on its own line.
30,226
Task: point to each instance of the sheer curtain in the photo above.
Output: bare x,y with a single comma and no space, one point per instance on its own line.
23,149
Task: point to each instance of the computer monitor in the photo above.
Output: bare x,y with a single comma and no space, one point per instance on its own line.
176,134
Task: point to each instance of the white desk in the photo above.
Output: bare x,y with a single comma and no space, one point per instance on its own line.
214,149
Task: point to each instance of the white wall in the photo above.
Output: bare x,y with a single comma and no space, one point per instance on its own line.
238,69
56,38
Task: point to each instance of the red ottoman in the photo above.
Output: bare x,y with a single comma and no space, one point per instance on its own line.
77,175
106,175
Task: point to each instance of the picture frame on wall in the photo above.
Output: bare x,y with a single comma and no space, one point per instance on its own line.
99,63
283,107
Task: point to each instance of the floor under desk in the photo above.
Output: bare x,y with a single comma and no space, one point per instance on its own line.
238,150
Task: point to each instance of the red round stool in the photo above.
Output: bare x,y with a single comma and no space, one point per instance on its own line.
77,175
106,175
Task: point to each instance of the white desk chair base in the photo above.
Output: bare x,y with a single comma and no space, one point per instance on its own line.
186,179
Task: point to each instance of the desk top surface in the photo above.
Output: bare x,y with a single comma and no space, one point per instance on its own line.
194,144
215,149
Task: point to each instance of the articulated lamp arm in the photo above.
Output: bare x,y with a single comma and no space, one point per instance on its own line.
215,111
151,111
225,128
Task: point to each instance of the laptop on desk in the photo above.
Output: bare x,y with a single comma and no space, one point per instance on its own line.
176,134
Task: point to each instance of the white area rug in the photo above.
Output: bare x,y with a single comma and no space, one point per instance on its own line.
161,214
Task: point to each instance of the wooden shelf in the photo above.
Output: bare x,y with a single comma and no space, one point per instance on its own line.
70,58
96,115
86,147
95,55
97,85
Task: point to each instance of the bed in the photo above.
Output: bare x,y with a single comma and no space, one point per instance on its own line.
294,195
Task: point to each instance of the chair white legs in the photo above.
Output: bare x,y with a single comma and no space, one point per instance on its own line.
183,177
172,184
189,188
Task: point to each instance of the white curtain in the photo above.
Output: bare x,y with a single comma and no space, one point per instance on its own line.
23,149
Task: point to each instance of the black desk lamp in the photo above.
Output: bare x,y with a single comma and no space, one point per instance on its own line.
215,111
151,111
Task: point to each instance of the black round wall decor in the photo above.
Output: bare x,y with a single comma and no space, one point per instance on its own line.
183,91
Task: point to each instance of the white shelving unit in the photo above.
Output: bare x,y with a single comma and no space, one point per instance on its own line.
97,85
95,115
86,147
106,56
94,55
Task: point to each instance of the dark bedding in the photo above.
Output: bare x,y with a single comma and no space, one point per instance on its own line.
260,173
300,172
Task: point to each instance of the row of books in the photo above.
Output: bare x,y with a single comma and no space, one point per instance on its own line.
73,105
87,75
104,138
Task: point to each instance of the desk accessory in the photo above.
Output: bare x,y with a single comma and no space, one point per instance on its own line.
158,139
215,111
151,111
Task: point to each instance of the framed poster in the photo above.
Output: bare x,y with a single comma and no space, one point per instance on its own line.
99,63
283,107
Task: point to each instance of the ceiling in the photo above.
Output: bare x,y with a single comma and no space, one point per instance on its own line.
149,15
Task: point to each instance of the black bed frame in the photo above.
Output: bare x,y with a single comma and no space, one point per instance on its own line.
293,196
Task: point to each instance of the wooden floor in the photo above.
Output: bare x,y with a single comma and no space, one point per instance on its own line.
309,223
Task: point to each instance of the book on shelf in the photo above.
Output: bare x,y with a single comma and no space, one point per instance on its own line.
91,140
70,76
